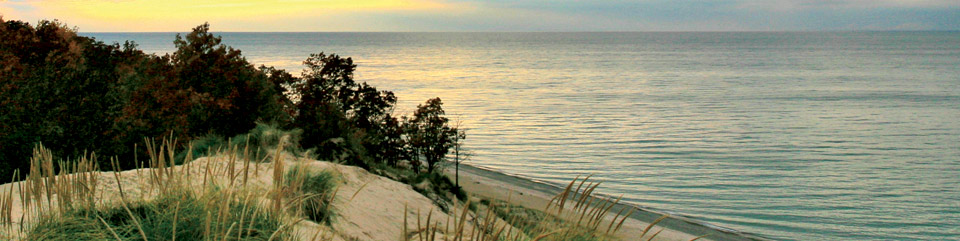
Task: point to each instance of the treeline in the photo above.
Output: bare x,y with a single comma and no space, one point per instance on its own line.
78,96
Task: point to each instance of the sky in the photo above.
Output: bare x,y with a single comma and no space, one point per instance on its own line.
489,15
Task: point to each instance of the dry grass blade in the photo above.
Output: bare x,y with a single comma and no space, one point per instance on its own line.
463,219
403,236
624,219
229,230
562,197
654,235
586,194
114,233
581,184
282,228
135,220
584,210
7,201
358,191
699,237
654,223
542,236
176,212
599,218
614,220
278,180
429,215
433,234
419,227
123,202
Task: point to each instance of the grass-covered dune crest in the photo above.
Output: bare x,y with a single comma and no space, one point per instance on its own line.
220,197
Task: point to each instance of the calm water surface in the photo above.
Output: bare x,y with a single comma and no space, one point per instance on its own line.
834,135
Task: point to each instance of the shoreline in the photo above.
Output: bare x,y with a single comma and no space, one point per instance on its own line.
535,195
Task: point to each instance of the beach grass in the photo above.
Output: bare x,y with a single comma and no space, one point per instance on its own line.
315,190
573,214
69,204
171,216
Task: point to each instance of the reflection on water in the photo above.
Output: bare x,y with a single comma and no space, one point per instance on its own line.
789,135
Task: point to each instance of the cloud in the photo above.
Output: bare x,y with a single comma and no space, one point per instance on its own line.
492,15
801,5
141,15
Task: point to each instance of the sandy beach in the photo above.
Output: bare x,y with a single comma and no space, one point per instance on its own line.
369,207
536,195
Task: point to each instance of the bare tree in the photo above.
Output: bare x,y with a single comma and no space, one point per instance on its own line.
458,153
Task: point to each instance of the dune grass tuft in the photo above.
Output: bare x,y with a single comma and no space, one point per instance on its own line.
172,216
70,204
315,191
576,213
254,145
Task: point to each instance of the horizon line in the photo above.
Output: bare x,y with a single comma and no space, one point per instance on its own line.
659,31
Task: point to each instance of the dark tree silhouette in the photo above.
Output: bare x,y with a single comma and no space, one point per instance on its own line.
228,93
340,116
428,134
79,95
458,152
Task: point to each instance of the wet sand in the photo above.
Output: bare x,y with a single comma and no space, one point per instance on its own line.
536,195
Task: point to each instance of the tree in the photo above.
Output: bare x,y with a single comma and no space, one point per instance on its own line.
55,87
77,95
458,137
391,147
428,134
228,93
340,116
321,97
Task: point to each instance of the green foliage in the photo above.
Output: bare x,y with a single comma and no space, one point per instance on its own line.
228,93
255,145
428,134
316,190
264,138
80,95
69,227
529,220
192,217
390,147
77,94
55,87
200,147
342,119
324,91
435,183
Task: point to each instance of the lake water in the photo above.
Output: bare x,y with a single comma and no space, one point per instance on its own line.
809,136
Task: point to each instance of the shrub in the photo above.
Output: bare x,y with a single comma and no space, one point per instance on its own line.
200,147
206,217
264,138
435,183
316,190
